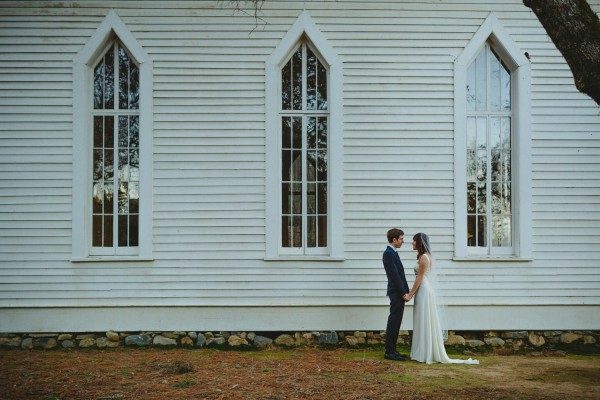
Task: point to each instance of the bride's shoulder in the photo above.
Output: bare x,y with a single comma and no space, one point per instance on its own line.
425,259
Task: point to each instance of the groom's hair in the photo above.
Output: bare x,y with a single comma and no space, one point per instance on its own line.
394,233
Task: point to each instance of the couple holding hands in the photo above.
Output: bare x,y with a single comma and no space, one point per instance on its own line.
427,339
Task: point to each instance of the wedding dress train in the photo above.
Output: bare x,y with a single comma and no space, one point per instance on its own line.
428,340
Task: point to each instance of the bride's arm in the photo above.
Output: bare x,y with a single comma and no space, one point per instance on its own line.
419,279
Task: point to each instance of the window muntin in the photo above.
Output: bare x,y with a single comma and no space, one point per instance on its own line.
115,168
304,152
489,192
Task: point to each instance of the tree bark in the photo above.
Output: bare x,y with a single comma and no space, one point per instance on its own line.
575,30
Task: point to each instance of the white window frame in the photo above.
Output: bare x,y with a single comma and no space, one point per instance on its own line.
304,25
83,65
491,30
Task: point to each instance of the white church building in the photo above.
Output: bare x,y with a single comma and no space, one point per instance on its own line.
180,165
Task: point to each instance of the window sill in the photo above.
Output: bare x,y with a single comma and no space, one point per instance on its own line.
493,259
110,259
304,258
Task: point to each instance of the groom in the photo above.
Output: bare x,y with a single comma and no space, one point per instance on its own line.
396,290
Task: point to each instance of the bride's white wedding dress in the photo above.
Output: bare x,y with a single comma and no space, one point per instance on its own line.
428,340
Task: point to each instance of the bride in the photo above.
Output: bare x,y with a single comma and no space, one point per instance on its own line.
428,340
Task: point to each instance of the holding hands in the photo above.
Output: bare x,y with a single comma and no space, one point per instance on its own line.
407,297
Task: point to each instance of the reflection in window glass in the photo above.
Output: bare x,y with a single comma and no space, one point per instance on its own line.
304,151
488,152
115,169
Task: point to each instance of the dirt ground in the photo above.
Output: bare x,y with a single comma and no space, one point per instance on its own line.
307,373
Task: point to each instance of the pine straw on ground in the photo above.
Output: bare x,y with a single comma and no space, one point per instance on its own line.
308,373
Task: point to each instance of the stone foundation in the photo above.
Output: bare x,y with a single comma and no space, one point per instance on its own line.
500,342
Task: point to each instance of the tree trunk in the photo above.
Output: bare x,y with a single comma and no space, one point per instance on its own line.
575,30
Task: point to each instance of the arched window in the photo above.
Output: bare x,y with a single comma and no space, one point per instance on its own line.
304,159
116,137
304,205
492,147
489,160
112,146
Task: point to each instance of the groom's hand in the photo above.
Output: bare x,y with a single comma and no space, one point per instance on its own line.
406,297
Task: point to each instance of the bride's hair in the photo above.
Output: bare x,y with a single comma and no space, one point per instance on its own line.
423,245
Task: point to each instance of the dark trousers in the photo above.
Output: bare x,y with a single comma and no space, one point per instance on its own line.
394,321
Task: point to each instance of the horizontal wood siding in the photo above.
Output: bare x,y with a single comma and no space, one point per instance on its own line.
209,161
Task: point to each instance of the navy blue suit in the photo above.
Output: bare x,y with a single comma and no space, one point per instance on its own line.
397,287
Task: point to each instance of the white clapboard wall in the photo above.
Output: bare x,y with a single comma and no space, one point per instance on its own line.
209,171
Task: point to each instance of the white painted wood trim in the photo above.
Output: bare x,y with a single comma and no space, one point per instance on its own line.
521,71
244,318
303,25
82,154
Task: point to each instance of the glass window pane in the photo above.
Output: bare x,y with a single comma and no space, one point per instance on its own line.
296,198
97,231
471,166
122,228
471,133
481,81
286,132
322,165
482,133
311,198
134,158
297,79
297,166
134,86
286,86
495,132
321,86
109,79
322,133
496,165
134,197
123,139
322,230
471,230
97,197
471,95
123,79
481,165
506,198
286,165
297,133
311,231
481,198
286,198
311,80
108,231
297,231
501,231
481,231
322,198
123,206
134,131
286,231
123,165
98,165
108,197
506,160
109,131
496,198
108,164
471,196
494,82
311,133
99,85
98,131
505,133
133,230
505,85
311,166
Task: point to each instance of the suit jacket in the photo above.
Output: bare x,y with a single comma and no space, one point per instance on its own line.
395,273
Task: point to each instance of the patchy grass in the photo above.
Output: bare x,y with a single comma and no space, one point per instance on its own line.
307,373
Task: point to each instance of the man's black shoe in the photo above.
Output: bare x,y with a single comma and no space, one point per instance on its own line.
394,357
